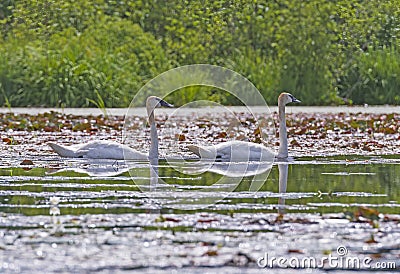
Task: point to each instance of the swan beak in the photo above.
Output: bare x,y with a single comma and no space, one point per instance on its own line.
294,100
165,104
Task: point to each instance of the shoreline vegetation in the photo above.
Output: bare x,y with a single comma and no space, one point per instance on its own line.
141,111
99,53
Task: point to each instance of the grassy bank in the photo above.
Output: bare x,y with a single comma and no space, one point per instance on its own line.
98,52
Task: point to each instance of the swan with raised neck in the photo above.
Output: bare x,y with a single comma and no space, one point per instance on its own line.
247,151
153,102
114,150
284,99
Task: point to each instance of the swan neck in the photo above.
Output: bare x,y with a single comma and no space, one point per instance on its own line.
283,143
153,153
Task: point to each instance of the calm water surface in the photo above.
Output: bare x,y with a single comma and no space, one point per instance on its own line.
314,185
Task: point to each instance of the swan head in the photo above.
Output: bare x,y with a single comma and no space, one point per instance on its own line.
153,102
286,98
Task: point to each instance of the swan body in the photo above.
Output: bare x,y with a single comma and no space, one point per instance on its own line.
98,150
238,151
114,150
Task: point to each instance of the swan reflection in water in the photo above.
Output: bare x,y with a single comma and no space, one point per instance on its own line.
229,169
258,169
145,175
98,167
283,177
111,168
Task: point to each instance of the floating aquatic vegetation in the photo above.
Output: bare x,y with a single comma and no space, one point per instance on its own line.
312,134
57,210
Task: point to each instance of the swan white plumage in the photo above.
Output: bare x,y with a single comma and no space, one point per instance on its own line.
98,150
114,150
246,151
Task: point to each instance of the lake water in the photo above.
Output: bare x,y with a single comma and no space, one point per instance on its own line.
109,216
315,185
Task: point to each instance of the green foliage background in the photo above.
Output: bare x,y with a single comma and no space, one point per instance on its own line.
73,53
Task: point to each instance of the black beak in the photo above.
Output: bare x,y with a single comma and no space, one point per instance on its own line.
294,100
165,104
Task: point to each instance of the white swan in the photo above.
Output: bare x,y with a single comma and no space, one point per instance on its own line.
245,151
114,150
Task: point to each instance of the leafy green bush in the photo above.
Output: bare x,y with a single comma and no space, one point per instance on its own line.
374,77
72,53
112,58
